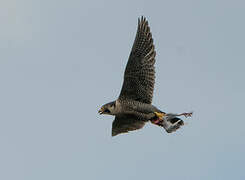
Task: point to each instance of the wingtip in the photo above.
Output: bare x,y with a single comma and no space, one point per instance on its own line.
143,23
142,18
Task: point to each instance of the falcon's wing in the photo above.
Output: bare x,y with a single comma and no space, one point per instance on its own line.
126,123
139,75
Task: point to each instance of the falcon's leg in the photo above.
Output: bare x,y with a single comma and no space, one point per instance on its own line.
158,118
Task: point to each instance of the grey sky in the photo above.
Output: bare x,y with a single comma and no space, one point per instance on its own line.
61,60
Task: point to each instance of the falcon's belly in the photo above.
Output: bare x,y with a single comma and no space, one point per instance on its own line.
141,110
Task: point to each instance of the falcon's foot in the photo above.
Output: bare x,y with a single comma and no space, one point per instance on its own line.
159,115
158,118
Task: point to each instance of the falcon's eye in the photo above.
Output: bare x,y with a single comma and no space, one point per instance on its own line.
107,111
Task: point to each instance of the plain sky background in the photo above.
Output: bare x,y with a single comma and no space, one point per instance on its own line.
61,60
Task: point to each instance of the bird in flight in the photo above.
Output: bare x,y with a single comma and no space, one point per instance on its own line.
134,106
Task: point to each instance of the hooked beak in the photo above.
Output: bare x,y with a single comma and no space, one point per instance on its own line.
101,111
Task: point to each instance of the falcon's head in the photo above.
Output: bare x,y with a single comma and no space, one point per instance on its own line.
108,108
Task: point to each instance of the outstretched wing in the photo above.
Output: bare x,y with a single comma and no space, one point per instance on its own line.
126,123
139,75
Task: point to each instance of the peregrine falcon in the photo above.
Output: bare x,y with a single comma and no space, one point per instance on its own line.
134,106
